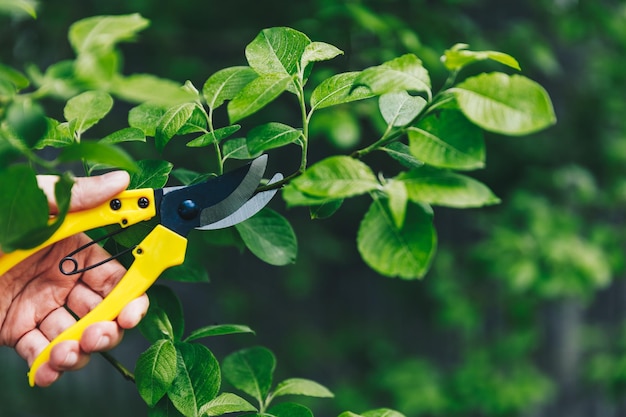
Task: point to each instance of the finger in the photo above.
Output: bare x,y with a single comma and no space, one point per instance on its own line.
56,322
82,299
87,192
101,336
134,311
67,356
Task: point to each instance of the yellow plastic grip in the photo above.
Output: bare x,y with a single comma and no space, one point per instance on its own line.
161,249
130,211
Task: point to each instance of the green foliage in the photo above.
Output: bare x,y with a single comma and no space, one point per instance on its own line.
427,135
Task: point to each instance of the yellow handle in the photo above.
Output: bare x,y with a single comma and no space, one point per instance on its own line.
161,249
129,211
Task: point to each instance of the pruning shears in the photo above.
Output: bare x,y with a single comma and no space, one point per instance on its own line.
220,202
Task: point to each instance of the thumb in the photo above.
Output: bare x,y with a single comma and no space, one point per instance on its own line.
87,192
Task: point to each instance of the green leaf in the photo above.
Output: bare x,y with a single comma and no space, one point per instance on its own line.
382,412
128,134
251,371
337,177
197,380
405,73
289,410
225,403
98,153
86,109
506,104
24,206
59,80
397,252
13,76
171,122
338,89
98,68
57,135
270,237
397,198
277,50
447,140
318,51
215,136
257,94
458,57
152,173
446,188
401,153
140,88
237,149
226,84
400,108
18,7
189,271
218,330
197,122
164,319
146,117
295,197
164,408
27,120
300,386
271,135
104,32
325,209
155,370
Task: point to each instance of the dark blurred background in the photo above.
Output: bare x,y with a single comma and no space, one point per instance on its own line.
523,311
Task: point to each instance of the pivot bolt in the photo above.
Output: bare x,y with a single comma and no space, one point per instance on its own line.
188,209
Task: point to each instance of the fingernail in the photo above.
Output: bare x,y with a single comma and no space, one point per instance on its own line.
71,359
117,176
102,343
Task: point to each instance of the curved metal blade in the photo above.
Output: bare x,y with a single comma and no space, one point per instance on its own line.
185,208
249,209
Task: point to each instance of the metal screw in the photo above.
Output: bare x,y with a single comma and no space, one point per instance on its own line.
143,202
188,209
115,204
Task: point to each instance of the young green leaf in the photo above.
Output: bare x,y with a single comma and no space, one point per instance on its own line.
338,89
401,153
165,315
225,403
197,379
382,412
405,73
140,88
277,50
289,410
459,56
164,408
15,77
447,140
171,122
98,153
403,252
98,68
24,207
101,33
400,108
397,198
257,94
86,109
325,210
337,177
197,122
215,136
146,117
251,371
507,104
226,84
237,149
300,386
155,370
269,236
218,330
294,197
27,121
318,51
129,134
271,135
446,188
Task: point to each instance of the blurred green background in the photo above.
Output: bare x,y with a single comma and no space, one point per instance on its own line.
523,311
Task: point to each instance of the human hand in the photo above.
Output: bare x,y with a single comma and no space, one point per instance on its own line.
35,296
